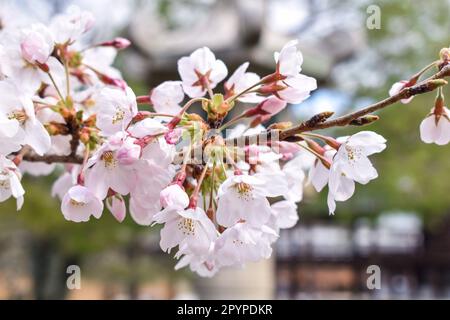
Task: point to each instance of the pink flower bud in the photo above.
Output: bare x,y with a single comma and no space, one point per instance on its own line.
116,205
118,43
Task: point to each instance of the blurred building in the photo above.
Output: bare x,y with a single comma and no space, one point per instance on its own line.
317,260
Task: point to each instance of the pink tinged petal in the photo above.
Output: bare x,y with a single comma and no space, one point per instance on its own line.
79,204
147,127
9,145
166,98
19,203
17,190
122,181
370,142
143,215
171,235
193,91
218,73
273,105
186,71
62,185
286,214
97,180
203,60
331,203
429,132
238,75
116,205
298,88
396,88
318,175
290,59
8,128
439,133
345,190
37,137
444,128
360,170
174,197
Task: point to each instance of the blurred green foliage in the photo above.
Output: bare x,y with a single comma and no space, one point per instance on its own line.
413,176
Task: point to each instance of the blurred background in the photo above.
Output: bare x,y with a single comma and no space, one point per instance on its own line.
400,222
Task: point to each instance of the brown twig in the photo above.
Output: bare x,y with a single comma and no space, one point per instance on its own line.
32,157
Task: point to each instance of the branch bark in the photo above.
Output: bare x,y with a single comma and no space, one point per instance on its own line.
74,159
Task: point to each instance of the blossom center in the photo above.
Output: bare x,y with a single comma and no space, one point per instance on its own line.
76,203
18,115
109,160
118,116
244,190
353,154
4,182
187,226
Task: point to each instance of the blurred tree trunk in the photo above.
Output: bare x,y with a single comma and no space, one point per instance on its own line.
48,270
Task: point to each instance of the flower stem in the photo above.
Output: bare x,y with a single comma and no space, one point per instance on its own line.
240,94
56,87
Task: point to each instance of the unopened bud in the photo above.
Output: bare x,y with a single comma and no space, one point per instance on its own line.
112,81
315,146
444,54
271,88
280,126
319,118
91,121
85,137
362,121
143,100
118,43
331,142
54,129
439,102
43,66
436,83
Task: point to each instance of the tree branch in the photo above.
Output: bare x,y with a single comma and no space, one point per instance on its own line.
32,157
425,86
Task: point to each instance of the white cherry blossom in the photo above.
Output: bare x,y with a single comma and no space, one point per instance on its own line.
242,198
351,164
289,65
241,80
435,128
166,97
79,204
116,109
71,25
19,108
10,185
112,166
201,70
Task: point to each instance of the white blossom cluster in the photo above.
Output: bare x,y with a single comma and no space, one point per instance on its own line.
64,102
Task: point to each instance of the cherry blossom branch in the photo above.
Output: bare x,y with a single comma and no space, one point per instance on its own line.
316,123
319,122
73,159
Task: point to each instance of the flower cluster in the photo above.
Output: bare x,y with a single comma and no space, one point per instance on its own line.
218,201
